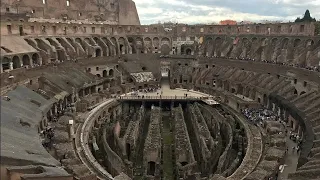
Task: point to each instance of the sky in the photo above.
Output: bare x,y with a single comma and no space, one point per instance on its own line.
213,11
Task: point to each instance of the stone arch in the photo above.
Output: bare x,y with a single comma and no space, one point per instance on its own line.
217,43
16,63
208,46
122,45
131,44
309,42
188,51
284,43
78,40
263,41
98,52
36,59
253,94
296,42
87,40
165,49
274,42
246,92
148,44
265,99
104,73
156,42
139,45
254,39
68,39
165,46
165,40
111,72
96,39
25,60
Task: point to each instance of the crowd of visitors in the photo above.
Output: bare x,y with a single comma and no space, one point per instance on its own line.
47,134
147,90
258,115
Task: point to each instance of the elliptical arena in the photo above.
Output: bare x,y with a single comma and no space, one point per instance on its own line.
92,95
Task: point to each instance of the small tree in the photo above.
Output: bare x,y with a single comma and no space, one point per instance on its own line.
306,18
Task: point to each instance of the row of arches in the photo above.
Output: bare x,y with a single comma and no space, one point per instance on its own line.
24,60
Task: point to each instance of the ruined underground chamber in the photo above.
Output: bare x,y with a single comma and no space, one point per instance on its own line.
171,139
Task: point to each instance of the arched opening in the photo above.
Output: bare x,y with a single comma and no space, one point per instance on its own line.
151,168
104,73
128,150
98,75
122,49
98,52
295,92
184,163
265,101
296,42
111,72
16,62
25,60
233,90
112,83
93,89
35,59
302,93
165,49
188,51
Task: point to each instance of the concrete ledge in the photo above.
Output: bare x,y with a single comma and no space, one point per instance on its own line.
90,160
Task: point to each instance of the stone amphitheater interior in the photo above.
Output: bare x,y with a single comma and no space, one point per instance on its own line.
87,93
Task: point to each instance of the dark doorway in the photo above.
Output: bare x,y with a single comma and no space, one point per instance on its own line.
111,72
188,51
121,49
128,150
21,30
151,168
104,73
98,52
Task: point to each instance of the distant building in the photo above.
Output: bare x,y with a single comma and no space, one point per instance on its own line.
228,22
245,22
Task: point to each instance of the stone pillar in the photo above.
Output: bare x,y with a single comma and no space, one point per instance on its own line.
71,129
1,68
273,107
40,61
55,110
285,115
11,65
31,62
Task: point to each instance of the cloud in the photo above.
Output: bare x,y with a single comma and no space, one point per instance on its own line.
209,11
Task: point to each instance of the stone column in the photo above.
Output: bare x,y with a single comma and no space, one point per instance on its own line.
55,110
71,129
40,61
11,65
1,68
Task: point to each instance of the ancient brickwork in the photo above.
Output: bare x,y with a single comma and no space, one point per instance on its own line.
106,11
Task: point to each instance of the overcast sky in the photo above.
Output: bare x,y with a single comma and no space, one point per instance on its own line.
208,11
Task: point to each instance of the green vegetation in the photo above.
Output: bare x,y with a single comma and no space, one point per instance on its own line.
306,18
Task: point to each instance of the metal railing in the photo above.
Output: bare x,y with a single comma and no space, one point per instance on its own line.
161,97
